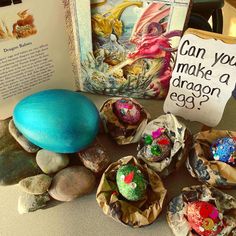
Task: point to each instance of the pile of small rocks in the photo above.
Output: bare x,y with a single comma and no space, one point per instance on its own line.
43,175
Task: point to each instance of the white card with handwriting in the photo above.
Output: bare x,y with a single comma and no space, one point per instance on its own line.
203,79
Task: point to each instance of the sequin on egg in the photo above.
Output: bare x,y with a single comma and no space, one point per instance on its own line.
224,149
201,229
208,224
133,185
148,140
156,151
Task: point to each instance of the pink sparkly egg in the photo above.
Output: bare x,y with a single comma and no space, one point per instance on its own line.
204,218
127,111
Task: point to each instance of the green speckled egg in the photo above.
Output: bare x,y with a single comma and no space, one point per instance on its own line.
131,182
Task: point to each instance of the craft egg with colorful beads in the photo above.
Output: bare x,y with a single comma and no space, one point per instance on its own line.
157,145
204,218
131,182
127,111
57,120
224,149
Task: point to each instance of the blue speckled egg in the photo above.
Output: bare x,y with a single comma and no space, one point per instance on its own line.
224,149
61,121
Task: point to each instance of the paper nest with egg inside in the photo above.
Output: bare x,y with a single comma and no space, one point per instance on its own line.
131,213
123,133
177,209
180,137
206,169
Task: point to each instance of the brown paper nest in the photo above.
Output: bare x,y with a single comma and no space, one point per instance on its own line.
131,213
176,211
201,166
182,141
120,132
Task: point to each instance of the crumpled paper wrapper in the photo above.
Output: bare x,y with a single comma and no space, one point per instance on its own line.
180,137
120,132
202,166
178,206
131,213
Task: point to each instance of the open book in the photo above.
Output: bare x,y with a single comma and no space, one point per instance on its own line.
133,50
35,48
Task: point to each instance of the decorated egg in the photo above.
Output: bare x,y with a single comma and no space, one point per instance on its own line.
57,120
131,182
157,146
224,149
127,111
204,218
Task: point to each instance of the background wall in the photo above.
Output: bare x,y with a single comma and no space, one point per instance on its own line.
229,14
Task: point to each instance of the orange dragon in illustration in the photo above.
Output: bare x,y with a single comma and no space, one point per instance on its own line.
139,66
22,28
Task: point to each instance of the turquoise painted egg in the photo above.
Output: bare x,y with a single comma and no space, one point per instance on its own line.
61,121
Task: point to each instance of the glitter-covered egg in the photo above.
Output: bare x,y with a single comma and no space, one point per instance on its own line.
224,149
127,111
157,146
204,218
131,182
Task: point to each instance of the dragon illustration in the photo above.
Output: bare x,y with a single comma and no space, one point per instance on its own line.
24,27
136,62
109,22
150,38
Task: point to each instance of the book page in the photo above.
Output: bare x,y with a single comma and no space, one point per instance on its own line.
34,51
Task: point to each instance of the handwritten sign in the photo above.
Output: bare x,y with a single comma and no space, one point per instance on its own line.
203,79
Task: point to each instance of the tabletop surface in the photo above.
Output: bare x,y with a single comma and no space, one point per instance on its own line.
83,215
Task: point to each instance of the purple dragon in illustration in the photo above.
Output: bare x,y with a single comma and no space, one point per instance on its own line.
150,37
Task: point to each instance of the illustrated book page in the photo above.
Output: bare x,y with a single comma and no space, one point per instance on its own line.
134,46
34,51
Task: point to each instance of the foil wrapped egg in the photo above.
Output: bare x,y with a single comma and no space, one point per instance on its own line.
204,218
131,182
127,111
157,146
224,149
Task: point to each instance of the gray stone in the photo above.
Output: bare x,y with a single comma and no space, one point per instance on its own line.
51,162
37,184
71,183
95,157
29,203
24,142
7,142
15,163
4,127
